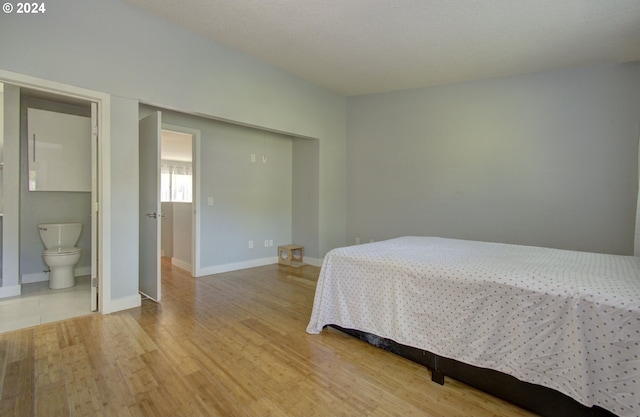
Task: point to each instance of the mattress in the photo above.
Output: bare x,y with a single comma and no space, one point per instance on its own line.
566,320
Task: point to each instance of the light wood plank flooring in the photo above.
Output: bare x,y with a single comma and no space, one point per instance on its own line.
231,344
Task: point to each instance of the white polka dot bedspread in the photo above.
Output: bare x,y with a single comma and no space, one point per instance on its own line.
563,319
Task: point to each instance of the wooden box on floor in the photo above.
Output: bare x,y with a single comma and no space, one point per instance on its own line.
291,255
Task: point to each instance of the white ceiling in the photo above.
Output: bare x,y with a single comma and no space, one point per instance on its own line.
175,146
366,46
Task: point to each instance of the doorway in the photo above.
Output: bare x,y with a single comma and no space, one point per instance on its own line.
182,174
176,195
29,286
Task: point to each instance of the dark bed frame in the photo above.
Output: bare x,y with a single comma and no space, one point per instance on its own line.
536,398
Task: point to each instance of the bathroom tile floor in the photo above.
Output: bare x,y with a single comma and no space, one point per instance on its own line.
39,304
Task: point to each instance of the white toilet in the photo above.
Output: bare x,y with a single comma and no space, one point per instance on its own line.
60,253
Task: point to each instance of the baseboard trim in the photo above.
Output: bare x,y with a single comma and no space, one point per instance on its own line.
181,264
82,271
235,266
313,261
124,303
44,276
35,277
11,291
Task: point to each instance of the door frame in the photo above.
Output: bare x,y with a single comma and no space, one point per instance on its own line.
195,192
103,101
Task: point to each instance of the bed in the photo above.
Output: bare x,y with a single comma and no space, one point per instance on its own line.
555,321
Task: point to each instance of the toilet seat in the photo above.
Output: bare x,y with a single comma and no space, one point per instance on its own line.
62,251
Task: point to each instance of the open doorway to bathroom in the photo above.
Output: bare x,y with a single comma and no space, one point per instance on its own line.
36,302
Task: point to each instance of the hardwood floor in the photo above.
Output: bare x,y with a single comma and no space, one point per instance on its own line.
231,344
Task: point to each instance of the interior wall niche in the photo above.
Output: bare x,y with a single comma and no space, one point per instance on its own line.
258,189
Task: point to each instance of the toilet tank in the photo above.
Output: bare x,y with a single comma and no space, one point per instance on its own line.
59,235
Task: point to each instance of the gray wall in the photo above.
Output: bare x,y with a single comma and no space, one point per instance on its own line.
176,232
545,159
142,58
48,206
11,192
306,195
182,236
166,238
123,198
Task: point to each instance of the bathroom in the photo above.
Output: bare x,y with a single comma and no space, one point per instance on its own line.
45,201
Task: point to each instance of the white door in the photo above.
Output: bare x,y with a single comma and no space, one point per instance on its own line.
150,211
94,207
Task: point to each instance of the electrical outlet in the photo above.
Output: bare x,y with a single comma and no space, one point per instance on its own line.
210,201
357,241
251,244
253,157
270,242
264,159
370,240
266,243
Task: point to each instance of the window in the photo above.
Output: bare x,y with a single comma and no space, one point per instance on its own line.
175,182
